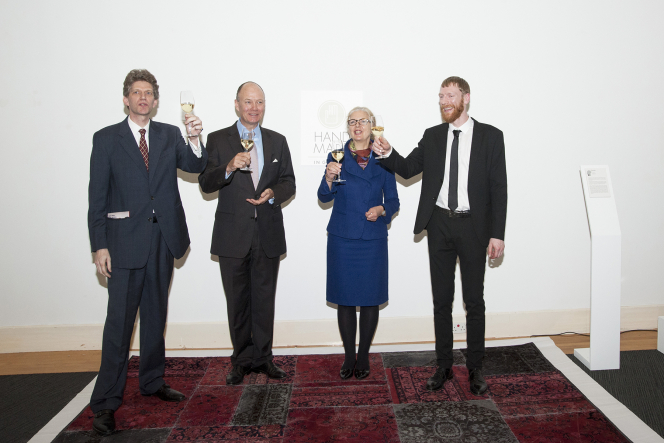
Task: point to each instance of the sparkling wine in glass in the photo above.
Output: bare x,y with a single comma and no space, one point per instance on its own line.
247,142
338,155
187,103
377,129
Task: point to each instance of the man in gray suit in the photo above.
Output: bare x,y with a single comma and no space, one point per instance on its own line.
136,219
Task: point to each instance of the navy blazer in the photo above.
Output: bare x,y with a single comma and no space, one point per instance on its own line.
120,182
362,190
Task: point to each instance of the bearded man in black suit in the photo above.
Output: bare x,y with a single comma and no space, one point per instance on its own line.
463,207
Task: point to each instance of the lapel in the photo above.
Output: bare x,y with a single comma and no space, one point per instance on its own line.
128,143
157,143
440,143
268,149
234,139
475,150
236,147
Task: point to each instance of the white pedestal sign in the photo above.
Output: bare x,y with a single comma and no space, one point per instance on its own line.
605,272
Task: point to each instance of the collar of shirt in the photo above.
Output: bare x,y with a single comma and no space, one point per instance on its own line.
257,130
466,127
137,135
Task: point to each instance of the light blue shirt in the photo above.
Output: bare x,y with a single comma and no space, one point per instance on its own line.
258,146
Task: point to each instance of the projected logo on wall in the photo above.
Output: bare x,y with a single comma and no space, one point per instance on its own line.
323,123
331,114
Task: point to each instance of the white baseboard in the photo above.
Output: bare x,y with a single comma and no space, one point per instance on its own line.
322,332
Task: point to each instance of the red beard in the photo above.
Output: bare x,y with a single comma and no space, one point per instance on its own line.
454,114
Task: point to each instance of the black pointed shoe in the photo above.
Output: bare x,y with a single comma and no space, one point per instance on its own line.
361,373
104,422
345,374
237,374
478,385
271,370
437,380
165,393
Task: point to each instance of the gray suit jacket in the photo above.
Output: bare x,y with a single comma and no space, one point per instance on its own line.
233,224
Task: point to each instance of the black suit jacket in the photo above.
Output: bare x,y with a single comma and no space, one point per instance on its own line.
487,177
233,224
120,182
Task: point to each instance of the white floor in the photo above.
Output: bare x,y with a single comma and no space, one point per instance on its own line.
623,418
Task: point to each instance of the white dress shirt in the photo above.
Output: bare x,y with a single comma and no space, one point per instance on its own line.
465,142
137,135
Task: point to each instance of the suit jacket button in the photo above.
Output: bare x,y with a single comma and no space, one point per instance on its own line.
152,198
150,219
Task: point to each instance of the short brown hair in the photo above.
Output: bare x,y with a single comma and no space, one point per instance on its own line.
458,82
138,75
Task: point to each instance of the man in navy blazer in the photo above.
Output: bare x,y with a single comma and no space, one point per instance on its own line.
248,234
463,207
137,227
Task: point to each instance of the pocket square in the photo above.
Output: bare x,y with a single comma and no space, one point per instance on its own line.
275,160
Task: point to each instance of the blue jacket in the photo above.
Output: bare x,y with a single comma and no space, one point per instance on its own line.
363,189
119,182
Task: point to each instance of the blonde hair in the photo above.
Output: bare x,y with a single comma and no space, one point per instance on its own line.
358,109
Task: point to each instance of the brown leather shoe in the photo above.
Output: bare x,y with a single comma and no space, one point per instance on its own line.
104,422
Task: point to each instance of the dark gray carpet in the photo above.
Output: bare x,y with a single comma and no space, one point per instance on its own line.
638,384
28,402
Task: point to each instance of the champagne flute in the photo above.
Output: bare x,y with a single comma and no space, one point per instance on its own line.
247,142
187,103
338,155
377,128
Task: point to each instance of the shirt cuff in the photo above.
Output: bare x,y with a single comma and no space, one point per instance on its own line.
196,149
228,174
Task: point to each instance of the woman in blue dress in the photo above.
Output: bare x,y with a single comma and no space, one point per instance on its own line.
357,270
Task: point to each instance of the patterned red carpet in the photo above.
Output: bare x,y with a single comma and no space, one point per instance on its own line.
528,401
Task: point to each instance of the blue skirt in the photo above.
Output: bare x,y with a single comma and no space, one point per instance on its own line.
356,271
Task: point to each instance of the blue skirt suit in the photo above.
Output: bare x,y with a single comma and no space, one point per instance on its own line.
357,266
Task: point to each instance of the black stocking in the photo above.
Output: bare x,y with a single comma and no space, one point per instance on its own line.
348,329
368,323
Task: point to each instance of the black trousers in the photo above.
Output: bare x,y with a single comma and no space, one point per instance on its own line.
250,284
129,289
448,239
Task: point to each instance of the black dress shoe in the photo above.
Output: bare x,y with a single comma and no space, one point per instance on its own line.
437,380
361,373
237,374
345,374
165,393
478,385
271,370
104,422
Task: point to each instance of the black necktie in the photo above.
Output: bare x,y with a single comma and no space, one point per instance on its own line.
452,200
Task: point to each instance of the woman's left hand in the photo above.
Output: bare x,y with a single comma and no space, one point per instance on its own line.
375,212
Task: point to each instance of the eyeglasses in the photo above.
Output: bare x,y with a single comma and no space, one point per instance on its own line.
353,122
147,92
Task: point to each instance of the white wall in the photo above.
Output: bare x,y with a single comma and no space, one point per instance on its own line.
568,82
